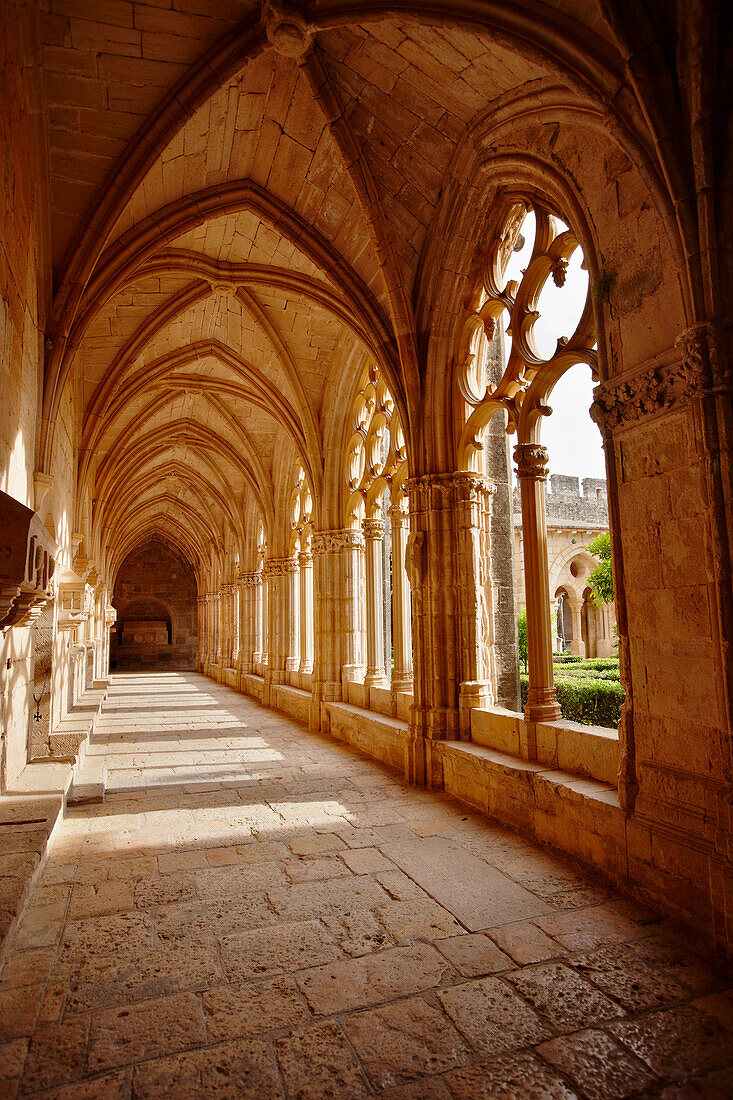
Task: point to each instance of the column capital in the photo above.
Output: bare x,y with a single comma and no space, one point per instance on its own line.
329,542
439,491
532,461
250,580
279,567
373,529
305,559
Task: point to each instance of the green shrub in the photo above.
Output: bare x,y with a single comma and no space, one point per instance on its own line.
566,658
583,699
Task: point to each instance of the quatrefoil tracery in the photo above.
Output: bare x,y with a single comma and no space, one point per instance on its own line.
528,376
376,455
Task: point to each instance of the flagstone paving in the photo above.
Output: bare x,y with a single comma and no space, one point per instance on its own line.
259,912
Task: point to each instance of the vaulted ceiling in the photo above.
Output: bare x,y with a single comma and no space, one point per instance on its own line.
241,203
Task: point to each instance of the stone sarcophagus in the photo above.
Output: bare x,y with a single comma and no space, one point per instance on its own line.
27,563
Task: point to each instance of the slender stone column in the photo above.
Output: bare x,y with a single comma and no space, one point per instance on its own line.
473,494
373,535
577,645
336,625
258,614
249,585
350,544
305,561
542,704
279,573
292,660
401,611
200,631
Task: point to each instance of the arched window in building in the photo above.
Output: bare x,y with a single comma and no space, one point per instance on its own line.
376,506
531,323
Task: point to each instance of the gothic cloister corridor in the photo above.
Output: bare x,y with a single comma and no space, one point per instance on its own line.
258,911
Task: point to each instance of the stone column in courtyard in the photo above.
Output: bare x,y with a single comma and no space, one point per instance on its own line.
201,632
401,610
577,645
335,623
447,563
292,660
542,704
350,544
279,573
373,535
473,494
247,621
258,618
305,561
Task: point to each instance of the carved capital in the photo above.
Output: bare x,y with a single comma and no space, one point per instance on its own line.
373,529
305,559
280,567
702,369
532,461
250,580
331,542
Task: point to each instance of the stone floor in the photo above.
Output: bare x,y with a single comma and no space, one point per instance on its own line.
258,912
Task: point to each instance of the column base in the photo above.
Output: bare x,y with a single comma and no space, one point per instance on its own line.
376,680
542,712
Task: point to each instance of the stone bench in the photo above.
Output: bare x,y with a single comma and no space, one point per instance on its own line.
292,700
378,735
582,816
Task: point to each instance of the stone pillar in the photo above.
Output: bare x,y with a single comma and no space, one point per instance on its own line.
279,573
577,645
373,535
472,493
292,660
447,563
401,610
258,616
542,704
248,641
350,544
201,632
336,654
305,561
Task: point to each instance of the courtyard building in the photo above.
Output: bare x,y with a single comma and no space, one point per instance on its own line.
288,291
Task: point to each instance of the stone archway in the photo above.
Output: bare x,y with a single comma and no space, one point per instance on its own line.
155,597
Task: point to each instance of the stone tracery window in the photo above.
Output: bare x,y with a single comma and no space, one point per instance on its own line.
527,303
375,474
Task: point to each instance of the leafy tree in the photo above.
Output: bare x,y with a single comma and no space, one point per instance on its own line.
600,579
522,636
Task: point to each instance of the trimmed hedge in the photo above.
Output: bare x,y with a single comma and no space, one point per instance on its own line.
587,693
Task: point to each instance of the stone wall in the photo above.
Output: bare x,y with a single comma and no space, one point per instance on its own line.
154,585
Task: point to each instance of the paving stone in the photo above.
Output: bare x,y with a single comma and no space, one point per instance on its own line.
18,1010
600,1067
108,935
399,886
104,1086
372,979
366,861
474,955
136,1033
165,890
427,1088
283,948
563,996
492,1016
307,900
677,1042
26,967
315,870
240,881
206,921
252,1008
478,895
404,1042
56,1055
318,1064
316,845
245,1070
408,921
586,929
526,943
519,1077
623,974
356,933
94,901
